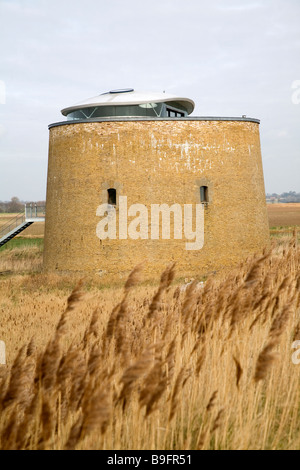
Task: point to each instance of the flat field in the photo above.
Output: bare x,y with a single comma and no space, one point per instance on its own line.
284,215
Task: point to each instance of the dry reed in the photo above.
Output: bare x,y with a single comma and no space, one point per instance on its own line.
204,368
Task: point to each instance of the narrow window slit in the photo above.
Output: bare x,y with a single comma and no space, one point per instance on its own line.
112,196
203,194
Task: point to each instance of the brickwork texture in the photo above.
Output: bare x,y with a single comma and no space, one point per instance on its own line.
154,162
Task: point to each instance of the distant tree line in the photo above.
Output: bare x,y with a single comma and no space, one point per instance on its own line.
291,196
15,205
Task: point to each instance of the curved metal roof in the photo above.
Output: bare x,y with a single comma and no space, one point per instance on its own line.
129,96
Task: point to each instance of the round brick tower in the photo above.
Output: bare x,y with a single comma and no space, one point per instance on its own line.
145,146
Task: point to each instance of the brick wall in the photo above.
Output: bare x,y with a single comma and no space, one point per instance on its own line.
152,162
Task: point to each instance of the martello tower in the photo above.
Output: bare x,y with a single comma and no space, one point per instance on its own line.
147,147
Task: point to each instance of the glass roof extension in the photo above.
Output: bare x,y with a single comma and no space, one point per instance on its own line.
170,109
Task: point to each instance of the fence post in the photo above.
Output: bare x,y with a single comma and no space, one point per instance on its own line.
35,207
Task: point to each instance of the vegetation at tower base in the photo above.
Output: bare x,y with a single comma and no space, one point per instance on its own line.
205,367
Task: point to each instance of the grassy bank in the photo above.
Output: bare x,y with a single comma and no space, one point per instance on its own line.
21,255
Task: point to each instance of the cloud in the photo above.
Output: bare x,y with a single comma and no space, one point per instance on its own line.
241,7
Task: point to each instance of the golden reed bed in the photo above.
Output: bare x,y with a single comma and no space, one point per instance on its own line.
155,368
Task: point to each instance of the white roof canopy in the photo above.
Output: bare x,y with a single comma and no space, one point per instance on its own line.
129,96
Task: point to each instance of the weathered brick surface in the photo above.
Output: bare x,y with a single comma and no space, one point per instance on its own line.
154,162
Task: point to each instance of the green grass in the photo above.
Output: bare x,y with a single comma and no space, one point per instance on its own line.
22,243
285,227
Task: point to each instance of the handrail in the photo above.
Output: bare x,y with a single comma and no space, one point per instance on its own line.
13,223
32,210
9,221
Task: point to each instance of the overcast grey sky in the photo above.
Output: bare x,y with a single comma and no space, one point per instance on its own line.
232,57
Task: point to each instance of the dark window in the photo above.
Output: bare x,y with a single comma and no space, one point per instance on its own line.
174,113
203,194
112,196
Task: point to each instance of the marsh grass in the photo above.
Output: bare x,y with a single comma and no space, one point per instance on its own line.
154,367
22,256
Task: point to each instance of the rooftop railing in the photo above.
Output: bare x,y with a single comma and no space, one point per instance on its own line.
33,211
